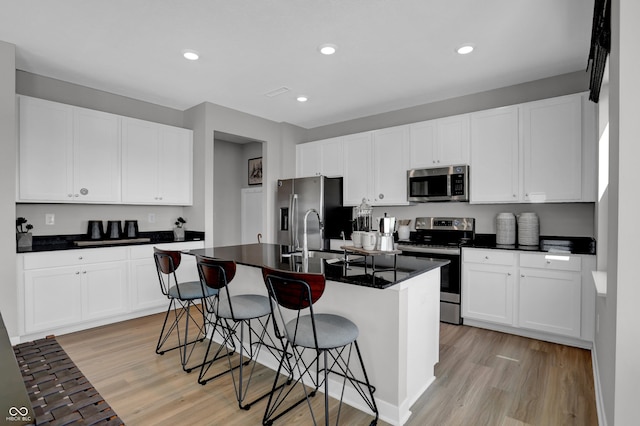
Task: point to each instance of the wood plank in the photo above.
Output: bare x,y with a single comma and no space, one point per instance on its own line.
483,378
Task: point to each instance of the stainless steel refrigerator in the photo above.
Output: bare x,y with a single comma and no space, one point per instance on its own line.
296,196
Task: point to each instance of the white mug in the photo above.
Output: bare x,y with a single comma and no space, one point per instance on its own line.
369,240
356,237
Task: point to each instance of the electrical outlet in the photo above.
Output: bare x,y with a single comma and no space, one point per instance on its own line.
49,219
152,218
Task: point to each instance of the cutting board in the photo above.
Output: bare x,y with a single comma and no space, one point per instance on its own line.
111,242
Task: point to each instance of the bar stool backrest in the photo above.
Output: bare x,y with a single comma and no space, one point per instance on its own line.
293,290
215,273
167,261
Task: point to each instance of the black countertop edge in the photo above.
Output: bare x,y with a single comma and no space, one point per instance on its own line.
278,257
67,242
572,245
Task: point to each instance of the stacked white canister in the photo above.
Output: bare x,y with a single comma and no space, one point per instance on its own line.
528,229
506,229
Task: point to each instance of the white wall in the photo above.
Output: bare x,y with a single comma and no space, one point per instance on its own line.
9,299
617,343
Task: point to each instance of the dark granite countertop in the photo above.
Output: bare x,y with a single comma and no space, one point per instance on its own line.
571,245
70,242
278,257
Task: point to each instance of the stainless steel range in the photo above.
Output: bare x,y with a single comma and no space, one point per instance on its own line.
441,238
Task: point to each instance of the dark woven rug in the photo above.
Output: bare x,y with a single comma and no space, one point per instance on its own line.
60,394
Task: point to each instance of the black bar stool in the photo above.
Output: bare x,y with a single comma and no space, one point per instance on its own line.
183,296
231,313
332,337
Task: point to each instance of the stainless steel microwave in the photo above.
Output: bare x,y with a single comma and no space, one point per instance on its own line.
438,184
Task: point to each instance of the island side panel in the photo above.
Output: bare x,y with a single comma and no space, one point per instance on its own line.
399,332
421,320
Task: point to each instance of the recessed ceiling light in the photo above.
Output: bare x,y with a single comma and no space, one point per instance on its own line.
327,49
191,55
302,99
463,50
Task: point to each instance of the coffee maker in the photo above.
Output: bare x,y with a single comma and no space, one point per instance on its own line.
387,227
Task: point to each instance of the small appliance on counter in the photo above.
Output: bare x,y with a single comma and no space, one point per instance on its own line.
386,228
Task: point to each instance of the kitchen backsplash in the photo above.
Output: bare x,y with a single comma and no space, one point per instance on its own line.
73,218
562,219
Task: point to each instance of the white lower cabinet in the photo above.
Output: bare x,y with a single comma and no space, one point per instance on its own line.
88,284
543,293
550,294
488,285
77,289
145,292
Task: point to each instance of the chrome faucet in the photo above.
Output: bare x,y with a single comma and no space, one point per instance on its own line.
305,243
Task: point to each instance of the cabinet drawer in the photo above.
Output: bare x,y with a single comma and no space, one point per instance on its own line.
556,262
492,257
73,257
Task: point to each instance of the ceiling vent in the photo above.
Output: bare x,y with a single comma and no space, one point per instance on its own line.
276,92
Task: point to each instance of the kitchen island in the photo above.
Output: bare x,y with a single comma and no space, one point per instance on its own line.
397,313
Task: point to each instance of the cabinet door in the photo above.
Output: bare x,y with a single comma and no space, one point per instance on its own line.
494,156
308,159
96,146
140,161
357,174
46,151
550,301
423,144
104,290
553,149
453,140
487,292
53,298
175,166
332,157
145,287
391,161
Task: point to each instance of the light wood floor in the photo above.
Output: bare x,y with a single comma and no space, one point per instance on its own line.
483,378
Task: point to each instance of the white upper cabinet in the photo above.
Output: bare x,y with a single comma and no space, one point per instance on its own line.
358,159
324,157
441,142
96,156
541,151
494,156
552,156
375,166
157,163
67,154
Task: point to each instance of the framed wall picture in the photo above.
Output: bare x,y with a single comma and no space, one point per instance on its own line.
255,171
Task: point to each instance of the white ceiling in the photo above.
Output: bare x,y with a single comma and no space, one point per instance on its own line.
391,54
